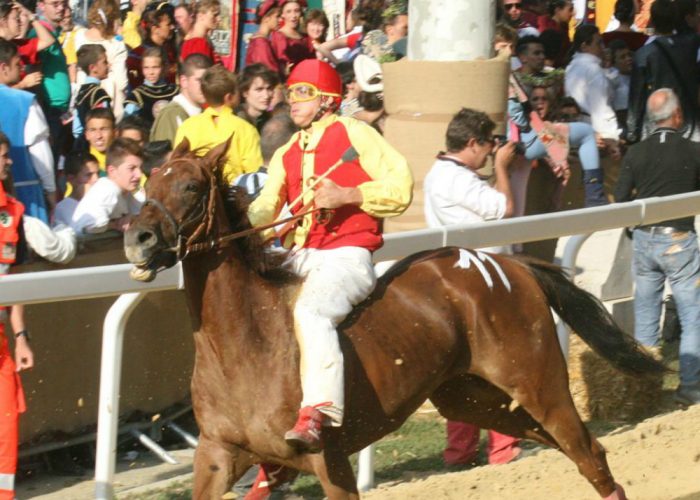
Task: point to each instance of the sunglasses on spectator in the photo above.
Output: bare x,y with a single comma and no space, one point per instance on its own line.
511,6
304,92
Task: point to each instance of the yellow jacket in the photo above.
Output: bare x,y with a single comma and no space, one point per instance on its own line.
387,194
215,126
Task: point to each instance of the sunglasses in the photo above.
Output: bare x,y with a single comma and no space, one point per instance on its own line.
304,92
511,6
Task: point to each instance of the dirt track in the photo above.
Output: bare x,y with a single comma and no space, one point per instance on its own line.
658,459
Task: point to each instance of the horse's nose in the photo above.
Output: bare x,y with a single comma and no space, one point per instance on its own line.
146,238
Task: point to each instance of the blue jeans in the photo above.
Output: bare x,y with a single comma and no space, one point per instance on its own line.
675,257
581,136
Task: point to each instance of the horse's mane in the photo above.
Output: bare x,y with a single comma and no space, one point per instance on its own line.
267,264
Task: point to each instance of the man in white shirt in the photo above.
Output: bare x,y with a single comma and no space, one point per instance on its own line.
187,103
455,194
110,203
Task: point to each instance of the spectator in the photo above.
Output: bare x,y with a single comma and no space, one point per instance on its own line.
148,99
134,128
110,203
67,40
24,123
619,75
686,15
368,74
533,71
351,90
586,82
289,45
157,25
259,46
275,133
92,60
99,134
560,13
664,164
208,15
513,16
155,155
103,18
82,171
184,17
666,62
187,103
257,86
316,27
218,124
130,25
381,45
625,10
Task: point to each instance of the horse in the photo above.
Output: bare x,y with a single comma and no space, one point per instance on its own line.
470,331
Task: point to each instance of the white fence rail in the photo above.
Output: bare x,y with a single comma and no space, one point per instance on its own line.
52,286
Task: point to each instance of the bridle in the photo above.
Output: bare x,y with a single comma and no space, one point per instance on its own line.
204,213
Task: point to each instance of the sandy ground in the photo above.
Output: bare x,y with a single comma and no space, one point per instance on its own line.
659,459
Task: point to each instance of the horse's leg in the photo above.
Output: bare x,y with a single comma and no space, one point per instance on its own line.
334,472
216,468
540,383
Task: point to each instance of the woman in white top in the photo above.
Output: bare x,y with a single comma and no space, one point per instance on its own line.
103,22
586,82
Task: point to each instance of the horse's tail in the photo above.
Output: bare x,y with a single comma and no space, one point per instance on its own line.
587,316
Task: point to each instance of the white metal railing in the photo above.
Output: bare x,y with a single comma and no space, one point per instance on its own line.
51,286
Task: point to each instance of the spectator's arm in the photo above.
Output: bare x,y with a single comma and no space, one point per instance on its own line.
130,30
24,358
36,136
637,102
326,48
624,189
46,39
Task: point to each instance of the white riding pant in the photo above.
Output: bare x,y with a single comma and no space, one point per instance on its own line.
334,281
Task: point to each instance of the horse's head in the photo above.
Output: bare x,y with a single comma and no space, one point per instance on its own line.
179,210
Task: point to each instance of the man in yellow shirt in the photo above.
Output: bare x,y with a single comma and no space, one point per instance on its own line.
218,123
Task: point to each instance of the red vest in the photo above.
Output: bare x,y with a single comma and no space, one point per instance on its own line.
11,212
349,226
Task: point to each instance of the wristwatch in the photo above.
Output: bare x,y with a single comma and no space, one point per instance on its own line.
23,333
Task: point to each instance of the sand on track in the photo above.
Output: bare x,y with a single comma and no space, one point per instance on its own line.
657,459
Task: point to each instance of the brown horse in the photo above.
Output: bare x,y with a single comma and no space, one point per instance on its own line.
472,332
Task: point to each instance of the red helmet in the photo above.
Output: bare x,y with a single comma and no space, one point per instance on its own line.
317,74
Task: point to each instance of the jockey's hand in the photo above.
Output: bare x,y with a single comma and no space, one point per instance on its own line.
327,194
24,357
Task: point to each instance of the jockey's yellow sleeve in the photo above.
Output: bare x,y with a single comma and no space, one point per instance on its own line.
387,193
216,126
130,30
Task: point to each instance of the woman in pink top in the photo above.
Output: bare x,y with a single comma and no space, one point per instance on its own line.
260,50
289,45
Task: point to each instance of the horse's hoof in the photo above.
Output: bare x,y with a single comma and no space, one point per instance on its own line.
618,494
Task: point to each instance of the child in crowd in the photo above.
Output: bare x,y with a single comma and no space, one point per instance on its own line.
82,171
155,154
148,99
99,134
218,124
110,203
133,127
92,59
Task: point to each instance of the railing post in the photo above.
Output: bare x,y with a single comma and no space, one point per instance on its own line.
568,262
110,379
365,469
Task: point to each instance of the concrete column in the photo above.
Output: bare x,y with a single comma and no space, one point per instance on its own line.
450,30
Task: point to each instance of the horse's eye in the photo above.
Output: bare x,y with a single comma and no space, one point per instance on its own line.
192,187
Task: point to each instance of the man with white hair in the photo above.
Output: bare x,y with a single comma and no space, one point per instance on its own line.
664,164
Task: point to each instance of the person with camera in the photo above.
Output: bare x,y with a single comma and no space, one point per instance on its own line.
455,193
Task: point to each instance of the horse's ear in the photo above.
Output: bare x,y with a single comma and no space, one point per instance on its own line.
181,150
217,155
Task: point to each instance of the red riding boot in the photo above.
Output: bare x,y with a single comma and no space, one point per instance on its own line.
306,434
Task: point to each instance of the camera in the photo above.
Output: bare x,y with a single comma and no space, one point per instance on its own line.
519,146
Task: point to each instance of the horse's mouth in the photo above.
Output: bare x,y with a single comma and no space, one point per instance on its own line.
147,268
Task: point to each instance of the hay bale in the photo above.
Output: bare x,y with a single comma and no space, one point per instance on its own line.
601,392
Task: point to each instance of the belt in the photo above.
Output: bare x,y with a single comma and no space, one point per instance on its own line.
660,229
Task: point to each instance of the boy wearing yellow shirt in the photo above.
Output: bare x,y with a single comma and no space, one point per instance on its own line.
218,123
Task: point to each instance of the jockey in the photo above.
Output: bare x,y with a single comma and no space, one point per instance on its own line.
344,166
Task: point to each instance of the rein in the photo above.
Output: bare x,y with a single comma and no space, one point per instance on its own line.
205,211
